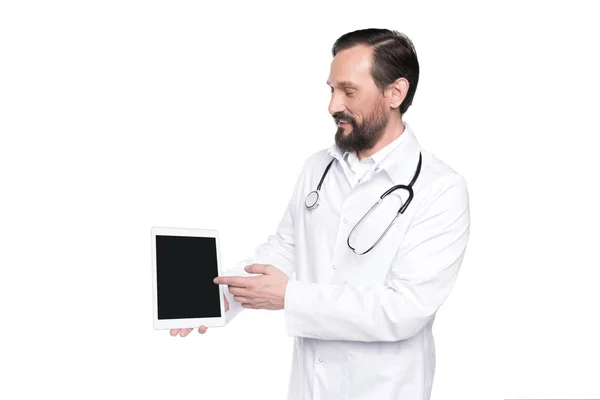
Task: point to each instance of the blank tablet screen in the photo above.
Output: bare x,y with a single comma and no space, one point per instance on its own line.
185,269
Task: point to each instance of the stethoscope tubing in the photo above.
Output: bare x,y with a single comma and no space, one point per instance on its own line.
408,187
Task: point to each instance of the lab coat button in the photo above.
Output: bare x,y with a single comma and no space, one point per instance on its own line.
345,221
333,266
376,169
319,360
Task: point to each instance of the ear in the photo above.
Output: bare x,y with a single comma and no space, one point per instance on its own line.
398,90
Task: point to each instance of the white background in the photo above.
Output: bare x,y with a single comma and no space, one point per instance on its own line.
116,116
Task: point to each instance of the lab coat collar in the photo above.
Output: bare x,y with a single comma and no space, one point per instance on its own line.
400,164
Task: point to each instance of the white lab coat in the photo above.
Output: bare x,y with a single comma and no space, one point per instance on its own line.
362,324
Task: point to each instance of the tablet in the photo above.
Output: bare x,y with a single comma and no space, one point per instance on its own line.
184,263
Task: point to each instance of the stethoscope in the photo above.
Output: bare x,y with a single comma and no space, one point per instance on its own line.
313,199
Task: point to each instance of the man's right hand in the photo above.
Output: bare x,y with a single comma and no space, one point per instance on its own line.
186,331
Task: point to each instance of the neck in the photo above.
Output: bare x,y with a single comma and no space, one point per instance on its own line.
392,131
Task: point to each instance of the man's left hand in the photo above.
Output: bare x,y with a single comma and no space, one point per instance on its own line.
265,291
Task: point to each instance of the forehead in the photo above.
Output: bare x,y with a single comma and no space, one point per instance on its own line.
351,66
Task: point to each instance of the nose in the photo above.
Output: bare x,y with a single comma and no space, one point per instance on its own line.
335,104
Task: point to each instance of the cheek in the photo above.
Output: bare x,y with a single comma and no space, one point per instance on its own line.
360,109
353,112
358,116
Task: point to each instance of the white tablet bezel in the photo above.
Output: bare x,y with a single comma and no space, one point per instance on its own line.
186,322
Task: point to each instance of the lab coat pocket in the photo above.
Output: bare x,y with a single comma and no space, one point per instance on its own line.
372,376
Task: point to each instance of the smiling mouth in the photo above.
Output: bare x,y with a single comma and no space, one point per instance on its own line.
342,122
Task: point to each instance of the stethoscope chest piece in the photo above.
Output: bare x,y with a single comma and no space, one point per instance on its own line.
312,200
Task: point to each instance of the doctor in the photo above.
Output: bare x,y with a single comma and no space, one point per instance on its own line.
371,242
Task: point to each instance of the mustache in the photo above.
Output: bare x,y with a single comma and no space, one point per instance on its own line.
338,116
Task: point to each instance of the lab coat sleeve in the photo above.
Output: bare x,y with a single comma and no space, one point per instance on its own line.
278,250
420,278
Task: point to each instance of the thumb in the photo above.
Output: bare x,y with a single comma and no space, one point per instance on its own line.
257,268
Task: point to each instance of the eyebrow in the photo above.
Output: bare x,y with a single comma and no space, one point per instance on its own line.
344,84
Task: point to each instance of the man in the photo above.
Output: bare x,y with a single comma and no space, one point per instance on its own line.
366,290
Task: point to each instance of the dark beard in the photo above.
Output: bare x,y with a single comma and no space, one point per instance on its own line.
363,136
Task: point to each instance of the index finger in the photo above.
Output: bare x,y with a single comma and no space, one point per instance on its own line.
238,281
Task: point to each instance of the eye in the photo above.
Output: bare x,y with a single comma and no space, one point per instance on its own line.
349,93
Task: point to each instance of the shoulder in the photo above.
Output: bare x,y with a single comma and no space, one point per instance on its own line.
437,172
319,157
317,161
443,185
312,168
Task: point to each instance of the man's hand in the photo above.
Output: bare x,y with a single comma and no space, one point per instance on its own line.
186,331
265,291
